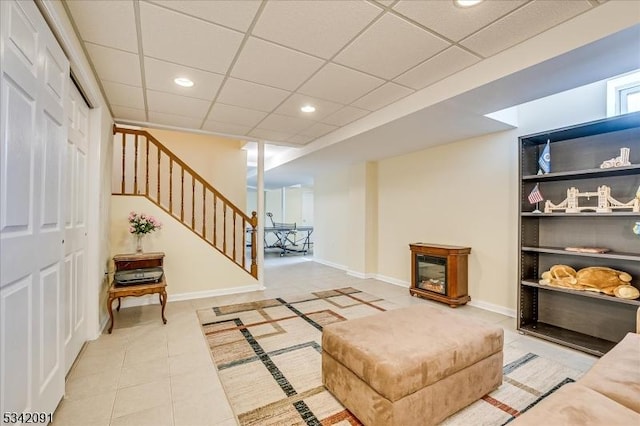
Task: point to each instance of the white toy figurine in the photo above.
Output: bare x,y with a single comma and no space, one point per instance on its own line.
620,161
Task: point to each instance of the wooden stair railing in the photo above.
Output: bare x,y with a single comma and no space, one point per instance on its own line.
148,168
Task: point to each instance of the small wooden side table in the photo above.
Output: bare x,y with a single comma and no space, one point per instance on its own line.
125,262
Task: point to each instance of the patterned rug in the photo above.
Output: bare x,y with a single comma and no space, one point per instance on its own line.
268,357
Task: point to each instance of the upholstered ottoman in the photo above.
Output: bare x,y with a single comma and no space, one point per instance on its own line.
410,366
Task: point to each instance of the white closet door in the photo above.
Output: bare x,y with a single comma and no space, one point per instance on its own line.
75,259
33,91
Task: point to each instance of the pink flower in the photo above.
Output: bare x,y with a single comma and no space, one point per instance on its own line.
142,223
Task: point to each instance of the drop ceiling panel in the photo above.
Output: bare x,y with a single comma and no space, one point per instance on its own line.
452,21
124,95
230,13
129,113
115,65
320,28
273,65
174,120
159,75
168,103
524,23
270,135
389,47
300,139
292,107
345,116
190,42
228,128
317,130
251,95
340,84
382,96
285,124
440,66
235,115
347,58
106,22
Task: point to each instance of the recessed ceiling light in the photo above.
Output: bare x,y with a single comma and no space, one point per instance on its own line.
466,3
184,82
308,108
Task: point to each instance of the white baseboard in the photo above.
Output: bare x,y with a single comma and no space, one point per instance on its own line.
327,263
391,280
493,308
153,299
477,303
103,327
406,284
360,275
214,293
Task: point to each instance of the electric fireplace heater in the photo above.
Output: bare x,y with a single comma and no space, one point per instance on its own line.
439,272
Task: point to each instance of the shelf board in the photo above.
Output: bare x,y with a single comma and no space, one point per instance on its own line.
593,345
579,293
598,127
634,257
585,214
633,169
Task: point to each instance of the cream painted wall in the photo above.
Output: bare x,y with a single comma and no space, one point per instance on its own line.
307,206
330,215
371,219
220,161
191,265
273,204
100,148
458,194
293,205
252,201
464,193
356,262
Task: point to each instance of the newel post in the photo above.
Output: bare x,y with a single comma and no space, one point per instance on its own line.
254,252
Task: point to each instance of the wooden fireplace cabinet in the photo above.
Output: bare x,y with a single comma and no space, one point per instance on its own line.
456,272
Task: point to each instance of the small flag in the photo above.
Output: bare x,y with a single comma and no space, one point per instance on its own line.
545,159
535,196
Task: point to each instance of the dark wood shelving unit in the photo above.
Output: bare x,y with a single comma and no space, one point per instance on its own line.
585,174
612,299
608,255
587,321
583,214
580,341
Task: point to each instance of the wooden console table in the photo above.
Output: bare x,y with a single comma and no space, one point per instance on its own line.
124,262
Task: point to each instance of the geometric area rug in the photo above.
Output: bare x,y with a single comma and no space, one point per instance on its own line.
268,357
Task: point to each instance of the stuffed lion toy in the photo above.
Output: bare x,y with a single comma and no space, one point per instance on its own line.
594,278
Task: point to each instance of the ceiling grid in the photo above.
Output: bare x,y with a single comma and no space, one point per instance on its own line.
255,63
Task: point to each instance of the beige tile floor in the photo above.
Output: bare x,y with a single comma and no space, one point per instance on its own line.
147,373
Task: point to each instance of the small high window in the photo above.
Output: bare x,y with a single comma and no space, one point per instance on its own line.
623,94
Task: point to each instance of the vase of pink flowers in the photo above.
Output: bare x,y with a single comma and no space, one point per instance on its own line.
141,224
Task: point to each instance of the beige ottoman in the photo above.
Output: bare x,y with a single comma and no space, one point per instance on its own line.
411,366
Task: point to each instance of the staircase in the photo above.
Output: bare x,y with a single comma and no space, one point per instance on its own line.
149,169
